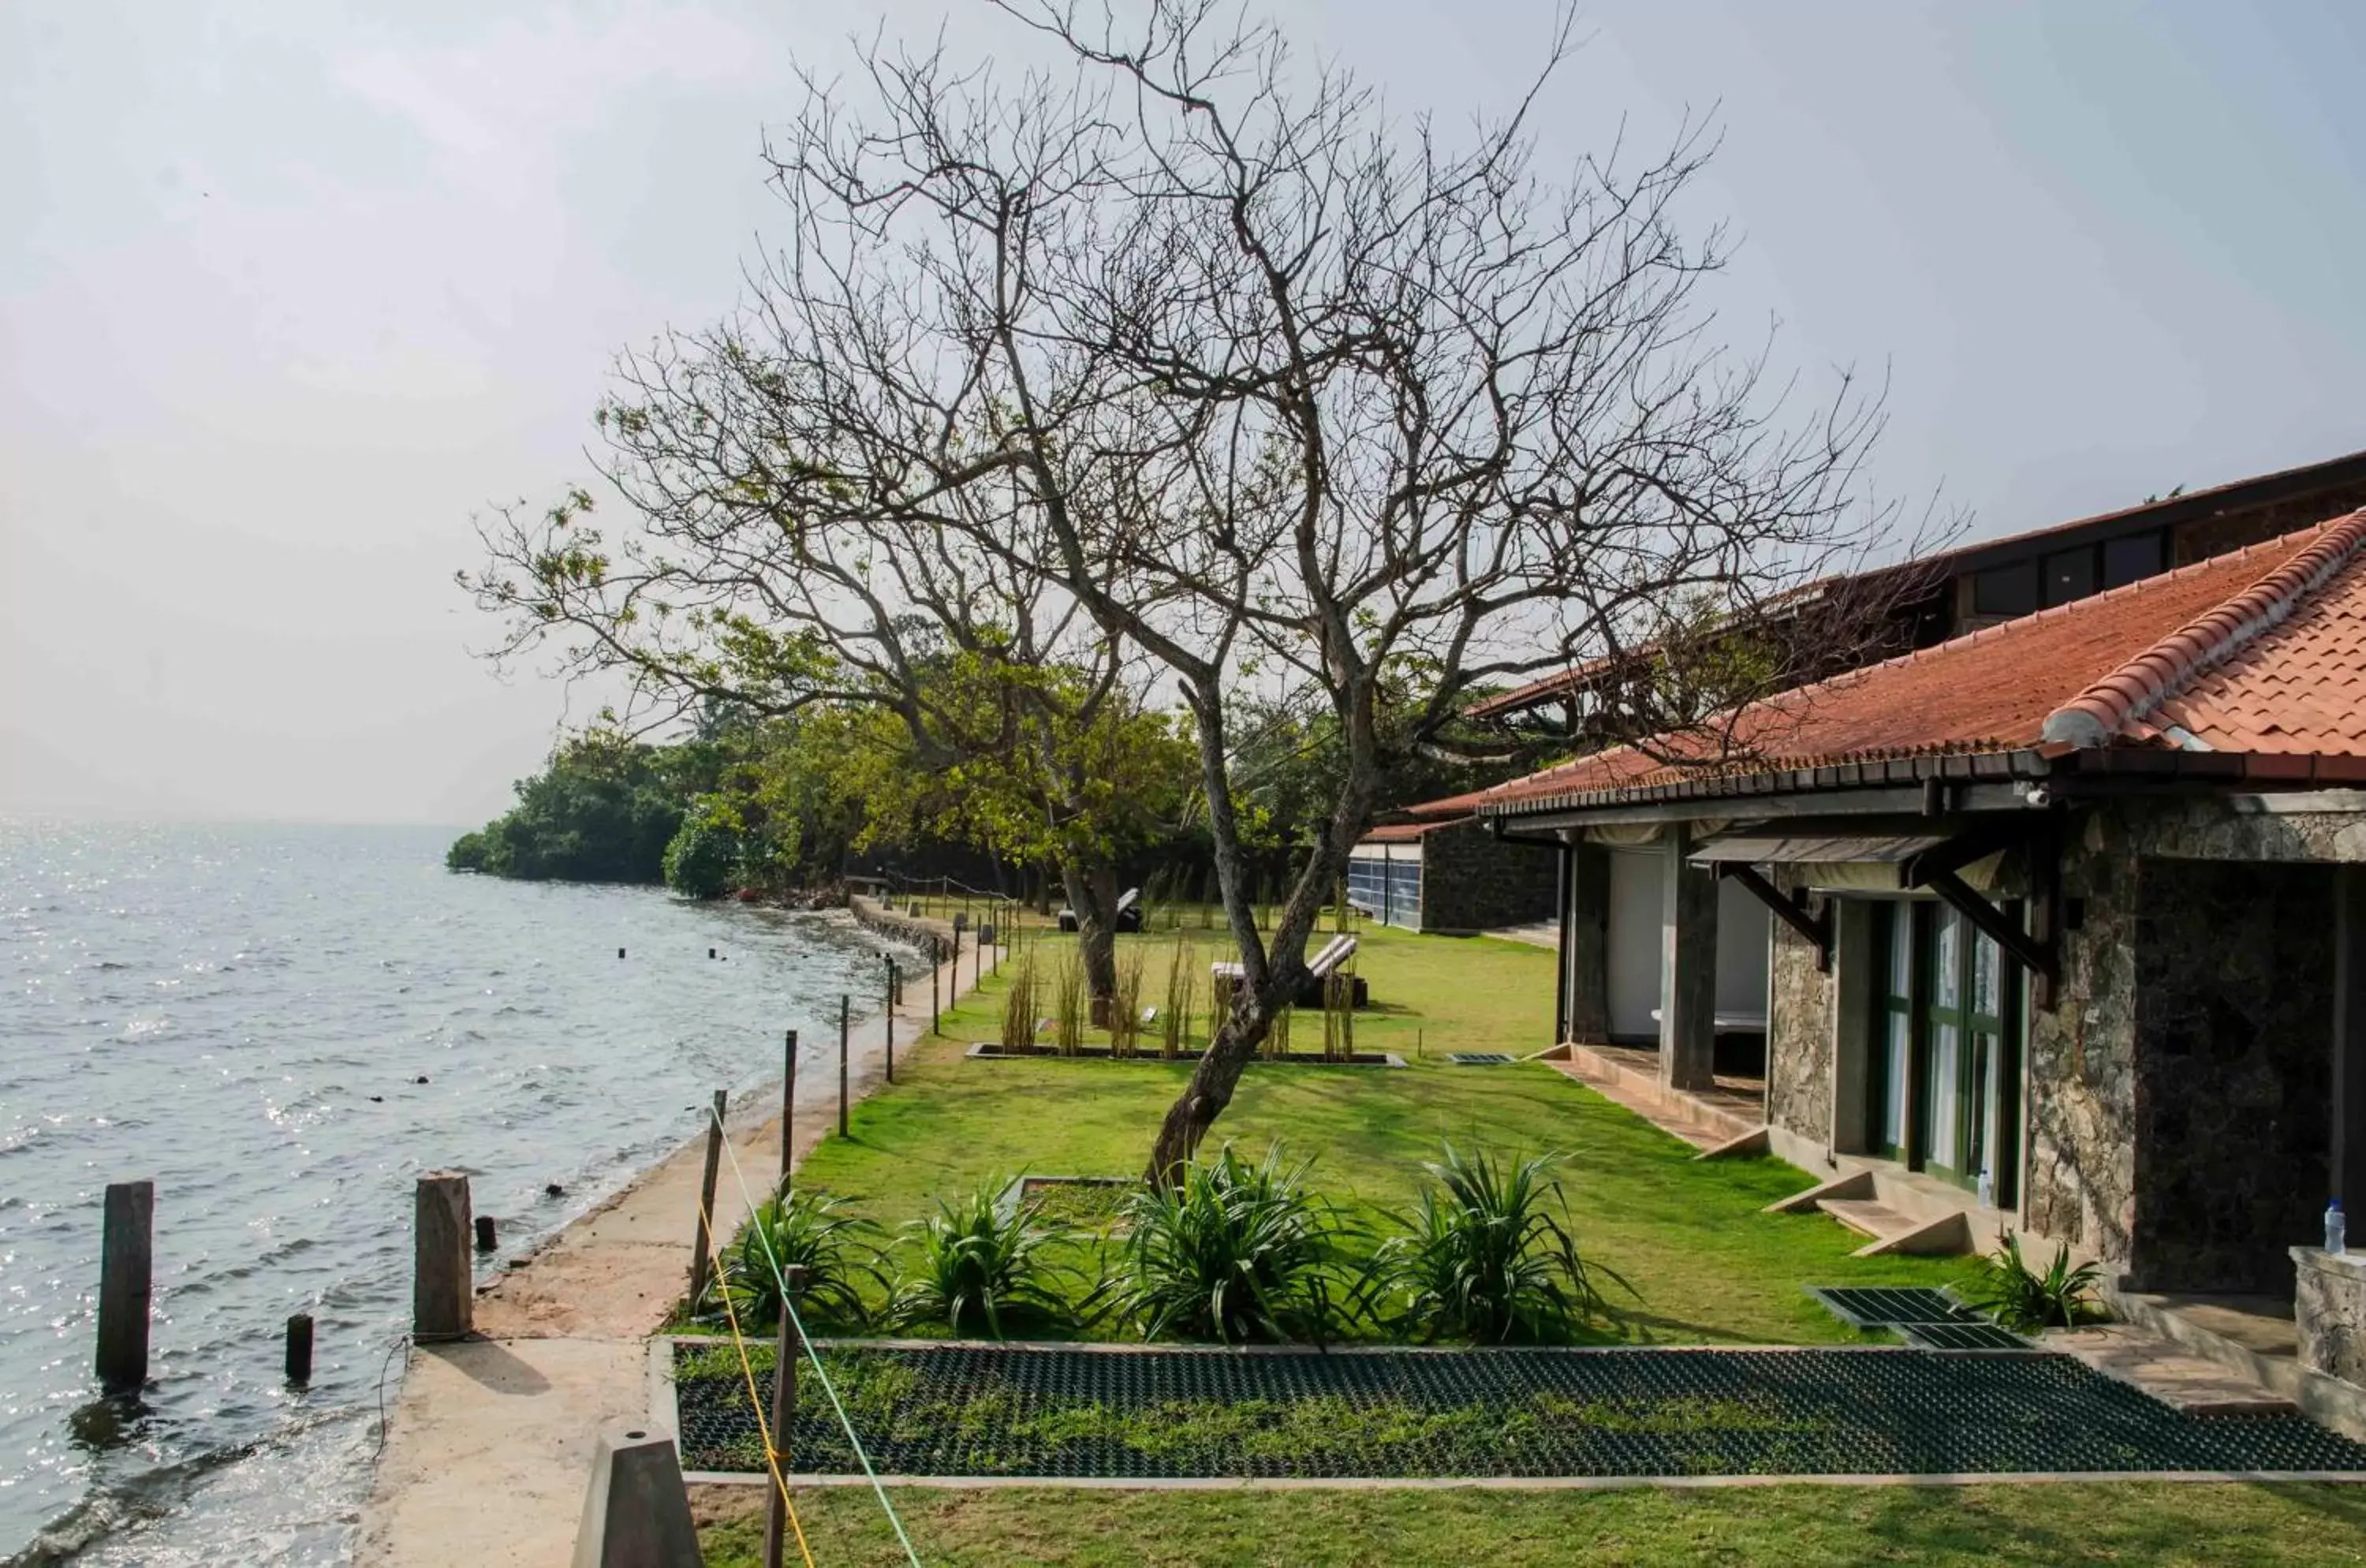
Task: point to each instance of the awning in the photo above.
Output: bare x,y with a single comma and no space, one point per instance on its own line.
1870,863
1826,851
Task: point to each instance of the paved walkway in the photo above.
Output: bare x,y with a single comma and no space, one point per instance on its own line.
489,1448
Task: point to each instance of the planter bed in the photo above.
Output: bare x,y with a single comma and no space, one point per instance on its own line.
989,1051
1164,1413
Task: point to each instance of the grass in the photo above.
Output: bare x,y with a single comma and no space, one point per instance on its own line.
1708,1266
2181,1525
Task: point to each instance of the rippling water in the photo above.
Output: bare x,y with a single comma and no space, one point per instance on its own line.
245,1015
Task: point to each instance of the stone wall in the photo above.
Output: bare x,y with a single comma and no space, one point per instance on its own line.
2329,1310
2233,1033
1472,881
1799,1032
2082,1055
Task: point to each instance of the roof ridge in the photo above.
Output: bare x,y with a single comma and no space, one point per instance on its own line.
2097,715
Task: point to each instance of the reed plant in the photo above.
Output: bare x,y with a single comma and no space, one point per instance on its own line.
1221,989
1488,1255
1276,1034
1182,981
1125,1005
1069,1008
1339,1017
1018,1004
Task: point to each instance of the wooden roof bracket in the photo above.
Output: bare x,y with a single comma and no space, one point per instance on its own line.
1791,910
2038,950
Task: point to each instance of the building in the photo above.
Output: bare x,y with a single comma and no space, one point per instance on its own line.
2068,918
1483,884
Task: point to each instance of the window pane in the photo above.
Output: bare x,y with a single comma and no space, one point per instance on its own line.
1984,970
1944,1096
2126,560
1893,1082
2069,575
1901,952
2006,590
1945,986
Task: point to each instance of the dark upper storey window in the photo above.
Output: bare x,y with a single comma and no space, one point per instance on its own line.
2069,575
2009,589
2018,588
2125,561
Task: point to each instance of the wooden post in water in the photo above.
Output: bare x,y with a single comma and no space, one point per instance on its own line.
698,1263
843,1005
300,1350
126,1260
488,1238
788,1107
936,971
786,1351
443,1300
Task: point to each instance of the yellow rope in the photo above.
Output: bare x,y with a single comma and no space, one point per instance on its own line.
773,1456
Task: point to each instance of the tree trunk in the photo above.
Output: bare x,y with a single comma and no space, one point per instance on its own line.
1273,970
1092,893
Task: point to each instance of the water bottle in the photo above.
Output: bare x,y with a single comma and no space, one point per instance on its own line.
2336,1228
1988,1190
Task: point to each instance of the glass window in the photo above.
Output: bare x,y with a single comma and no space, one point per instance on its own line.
2006,590
2069,575
2128,560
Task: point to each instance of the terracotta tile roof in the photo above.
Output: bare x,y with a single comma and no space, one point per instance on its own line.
2261,649
1408,832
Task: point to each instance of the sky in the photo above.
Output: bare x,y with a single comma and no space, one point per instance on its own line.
290,292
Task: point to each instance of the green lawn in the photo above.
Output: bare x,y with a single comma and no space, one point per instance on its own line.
2134,1523
1708,1266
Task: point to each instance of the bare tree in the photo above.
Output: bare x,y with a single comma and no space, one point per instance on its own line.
1179,342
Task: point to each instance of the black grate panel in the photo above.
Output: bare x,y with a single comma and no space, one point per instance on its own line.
1478,1058
1890,1306
1961,1336
1072,1412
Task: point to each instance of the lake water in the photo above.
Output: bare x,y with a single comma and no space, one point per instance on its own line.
245,1016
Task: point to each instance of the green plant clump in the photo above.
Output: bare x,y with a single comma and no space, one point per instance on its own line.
802,1228
1234,1251
982,1266
2027,1302
1485,1258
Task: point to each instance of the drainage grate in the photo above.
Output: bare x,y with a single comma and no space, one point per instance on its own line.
1890,1306
1961,1336
1076,1412
1478,1058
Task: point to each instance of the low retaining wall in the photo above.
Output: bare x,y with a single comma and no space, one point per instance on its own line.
913,930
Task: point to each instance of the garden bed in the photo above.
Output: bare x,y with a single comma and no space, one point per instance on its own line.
1162,1413
1092,1203
992,1050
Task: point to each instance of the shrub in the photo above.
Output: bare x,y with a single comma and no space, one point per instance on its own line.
1234,1251
810,1230
703,858
981,1266
2026,1302
1485,1258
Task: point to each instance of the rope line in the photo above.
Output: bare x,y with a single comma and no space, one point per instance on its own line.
806,1339
747,1371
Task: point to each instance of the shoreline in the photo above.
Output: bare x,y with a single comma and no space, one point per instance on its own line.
488,1446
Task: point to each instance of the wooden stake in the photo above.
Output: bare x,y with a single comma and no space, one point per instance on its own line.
698,1262
126,1257
300,1350
936,969
788,1107
443,1298
843,1006
891,1020
488,1240
786,1351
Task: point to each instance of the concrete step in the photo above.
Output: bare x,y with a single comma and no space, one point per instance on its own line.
1875,1219
2170,1372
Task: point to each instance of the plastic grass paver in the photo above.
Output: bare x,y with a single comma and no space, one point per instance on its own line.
1057,1411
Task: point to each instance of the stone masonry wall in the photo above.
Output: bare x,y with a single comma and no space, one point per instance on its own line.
1799,1034
2082,1109
2234,1031
1472,881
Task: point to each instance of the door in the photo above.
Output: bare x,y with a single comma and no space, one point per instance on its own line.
1945,1067
1892,1035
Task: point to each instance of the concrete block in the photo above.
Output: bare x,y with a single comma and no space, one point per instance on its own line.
637,1512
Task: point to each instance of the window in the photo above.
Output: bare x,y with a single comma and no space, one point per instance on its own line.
2069,575
2130,560
1944,1074
2006,590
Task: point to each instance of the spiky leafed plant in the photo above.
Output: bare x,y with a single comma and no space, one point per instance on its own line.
982,1267
2028,1302
1485,1258
798,1228
1234,1251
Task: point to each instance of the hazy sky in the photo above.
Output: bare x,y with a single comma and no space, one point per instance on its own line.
288,290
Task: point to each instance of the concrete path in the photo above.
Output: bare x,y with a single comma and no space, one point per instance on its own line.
489,1449
2168,1370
